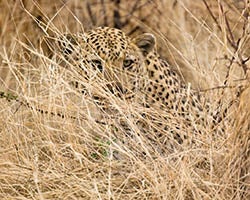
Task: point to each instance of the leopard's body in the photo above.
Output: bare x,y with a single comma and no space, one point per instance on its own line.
134,70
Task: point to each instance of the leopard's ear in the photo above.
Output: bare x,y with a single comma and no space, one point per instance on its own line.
66,43
145,42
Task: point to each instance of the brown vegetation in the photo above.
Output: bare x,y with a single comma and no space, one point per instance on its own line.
79,154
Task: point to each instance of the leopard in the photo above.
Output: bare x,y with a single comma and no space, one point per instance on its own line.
134,70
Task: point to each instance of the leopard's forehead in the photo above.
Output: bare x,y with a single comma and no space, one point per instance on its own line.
109,43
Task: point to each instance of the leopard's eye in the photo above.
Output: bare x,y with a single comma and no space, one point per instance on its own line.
127,63
98,64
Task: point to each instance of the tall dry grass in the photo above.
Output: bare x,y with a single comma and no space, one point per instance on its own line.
57,143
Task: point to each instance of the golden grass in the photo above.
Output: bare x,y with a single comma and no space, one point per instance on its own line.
88,154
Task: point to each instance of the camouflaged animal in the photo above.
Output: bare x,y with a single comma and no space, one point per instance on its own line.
134,70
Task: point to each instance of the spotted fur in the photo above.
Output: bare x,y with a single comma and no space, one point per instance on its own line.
135,70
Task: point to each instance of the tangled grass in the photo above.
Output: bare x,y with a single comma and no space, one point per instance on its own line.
57,143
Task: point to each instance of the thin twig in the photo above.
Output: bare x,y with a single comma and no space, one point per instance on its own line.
231,40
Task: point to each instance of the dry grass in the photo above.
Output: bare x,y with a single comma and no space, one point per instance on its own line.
88,154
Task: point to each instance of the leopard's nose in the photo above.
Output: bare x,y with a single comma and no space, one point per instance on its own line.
116,89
